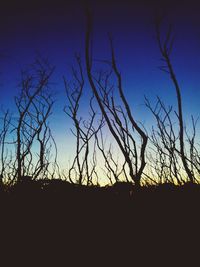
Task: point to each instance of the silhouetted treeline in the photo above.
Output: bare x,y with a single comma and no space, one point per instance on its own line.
149,210
168,153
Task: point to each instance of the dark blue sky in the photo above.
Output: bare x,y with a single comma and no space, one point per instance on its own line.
56,31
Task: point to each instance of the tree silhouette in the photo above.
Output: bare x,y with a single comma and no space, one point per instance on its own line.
116,116
85,131
165,46
34,104
6,121
27,143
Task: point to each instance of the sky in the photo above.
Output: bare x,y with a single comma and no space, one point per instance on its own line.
56,31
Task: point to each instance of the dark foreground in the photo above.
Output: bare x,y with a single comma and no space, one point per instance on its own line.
58,223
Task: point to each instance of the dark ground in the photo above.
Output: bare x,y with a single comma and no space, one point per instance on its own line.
54,223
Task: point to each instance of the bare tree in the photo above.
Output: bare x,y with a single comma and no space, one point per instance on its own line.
47,145
6,123
193,156
119,118
82,166
165,45
165,156
112,167
34,105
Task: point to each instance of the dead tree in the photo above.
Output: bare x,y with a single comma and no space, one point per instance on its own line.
34,104
165,156
193,156
82,167
165,46
111,168
4,132
119,118
43,109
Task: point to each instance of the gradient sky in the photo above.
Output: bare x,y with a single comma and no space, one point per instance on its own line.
56,31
